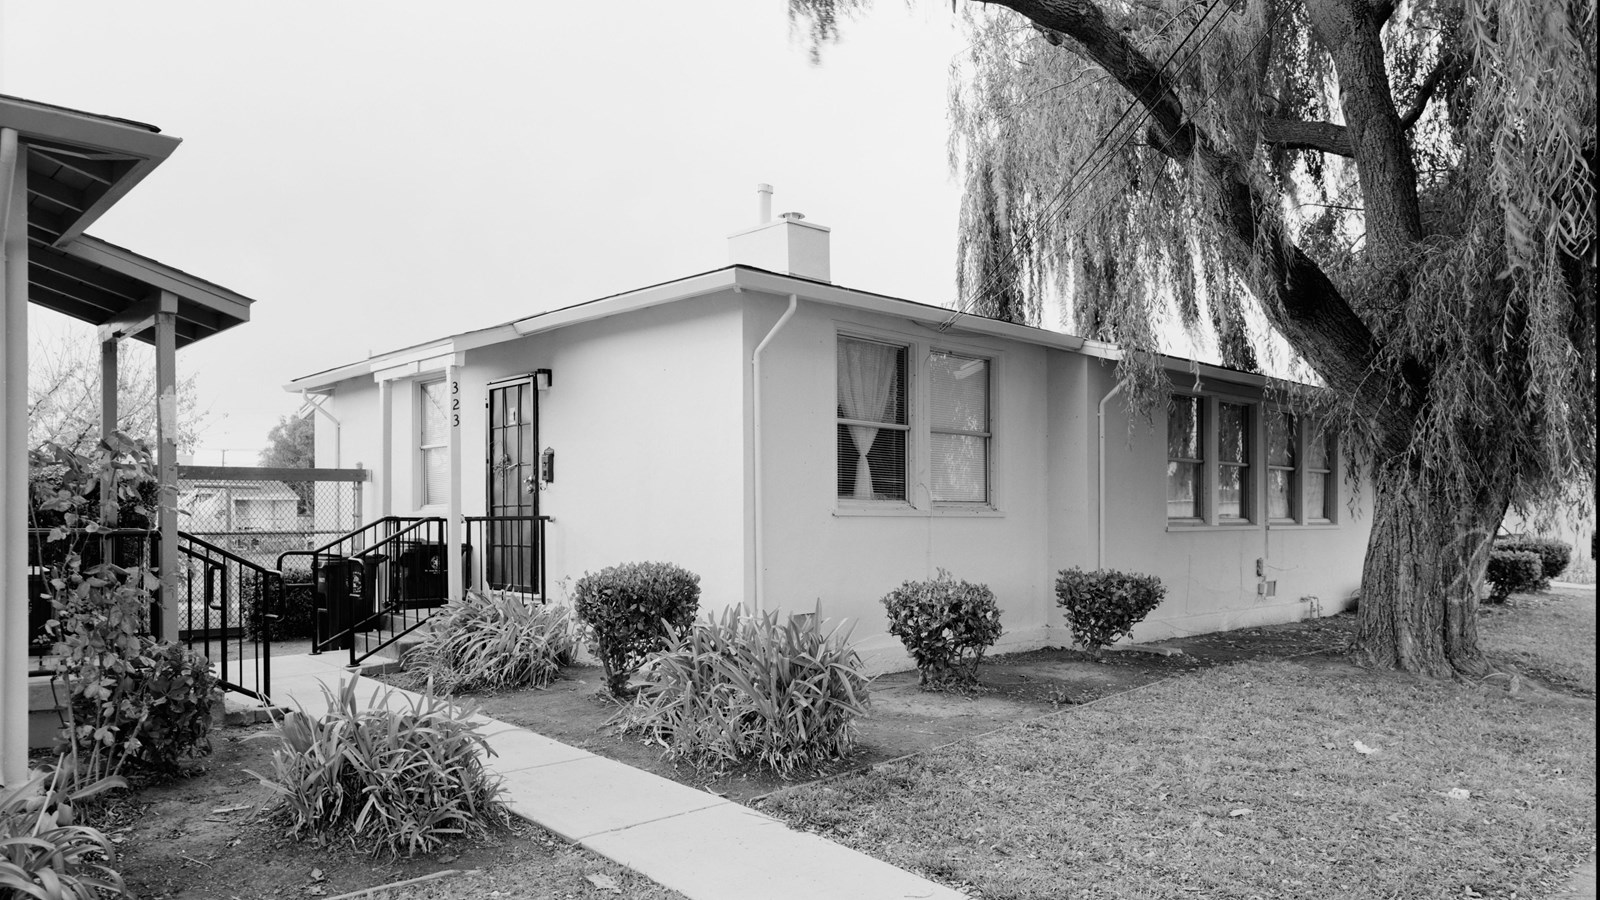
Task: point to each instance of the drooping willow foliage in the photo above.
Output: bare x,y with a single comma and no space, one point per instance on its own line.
1483,327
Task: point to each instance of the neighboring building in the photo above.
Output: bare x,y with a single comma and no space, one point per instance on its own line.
799,445
244,515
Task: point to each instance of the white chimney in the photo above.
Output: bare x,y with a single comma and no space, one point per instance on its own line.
789,246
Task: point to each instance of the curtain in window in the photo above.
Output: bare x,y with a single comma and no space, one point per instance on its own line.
869,379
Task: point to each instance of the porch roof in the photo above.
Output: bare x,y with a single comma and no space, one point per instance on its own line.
79,165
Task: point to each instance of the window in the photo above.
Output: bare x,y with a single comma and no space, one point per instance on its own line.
872,427
1233,461
959,428
1282,483
1321,492
434,443
1184,458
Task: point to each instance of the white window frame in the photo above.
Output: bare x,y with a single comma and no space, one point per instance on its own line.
987,434
423,449
919,496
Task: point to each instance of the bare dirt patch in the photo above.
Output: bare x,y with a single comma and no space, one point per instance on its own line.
208,835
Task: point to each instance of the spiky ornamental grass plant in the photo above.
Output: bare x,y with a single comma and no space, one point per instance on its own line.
494,641
405,781
751,688
43,853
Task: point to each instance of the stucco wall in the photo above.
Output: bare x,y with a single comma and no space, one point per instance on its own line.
1210,572
821,550
644,419
651,419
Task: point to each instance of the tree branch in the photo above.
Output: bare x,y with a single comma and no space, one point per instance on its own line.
1294,134
1310,311
1427,89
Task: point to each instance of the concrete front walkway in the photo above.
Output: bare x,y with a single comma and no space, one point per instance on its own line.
696,843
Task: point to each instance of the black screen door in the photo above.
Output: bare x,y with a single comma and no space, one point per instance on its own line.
512,529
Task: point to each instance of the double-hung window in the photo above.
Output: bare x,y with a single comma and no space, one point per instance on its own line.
872,420
958,444
1185,458
1283,483
1321,488
1233,462
434,442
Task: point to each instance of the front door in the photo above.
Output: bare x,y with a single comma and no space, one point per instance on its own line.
511,531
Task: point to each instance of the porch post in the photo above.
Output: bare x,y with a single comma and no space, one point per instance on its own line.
453,565
108,421
14,460
386,453
167,458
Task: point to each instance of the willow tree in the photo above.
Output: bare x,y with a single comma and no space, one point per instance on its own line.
1403,192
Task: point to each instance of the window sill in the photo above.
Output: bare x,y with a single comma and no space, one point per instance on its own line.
1202,526
1323,525
904,510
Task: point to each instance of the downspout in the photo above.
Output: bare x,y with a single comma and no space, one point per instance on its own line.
1100,507
755,367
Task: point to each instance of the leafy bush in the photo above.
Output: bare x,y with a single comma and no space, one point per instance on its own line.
1103,606
296,608
632,610
1554,556
485,642
749,688
946,625
405,781
42,852
1513,571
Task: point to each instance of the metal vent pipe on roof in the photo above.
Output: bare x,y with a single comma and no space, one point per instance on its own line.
764,203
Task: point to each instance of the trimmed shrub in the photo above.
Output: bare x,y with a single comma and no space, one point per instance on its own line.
404,781
946,625
176,690
1513,572
42,852
745,688
494,641
1103,606
1554,556
631,611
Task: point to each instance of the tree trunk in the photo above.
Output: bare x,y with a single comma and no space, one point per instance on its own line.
1424,568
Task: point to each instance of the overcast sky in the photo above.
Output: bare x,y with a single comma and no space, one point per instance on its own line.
379,174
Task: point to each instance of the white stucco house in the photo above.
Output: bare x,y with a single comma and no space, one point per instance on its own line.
796,442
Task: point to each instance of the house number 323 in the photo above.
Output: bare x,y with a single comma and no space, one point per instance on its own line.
455,405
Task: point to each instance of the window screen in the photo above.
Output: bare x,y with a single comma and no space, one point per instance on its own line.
872,424
959,428
435,443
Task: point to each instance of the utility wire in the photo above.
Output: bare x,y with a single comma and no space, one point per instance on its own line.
1072,187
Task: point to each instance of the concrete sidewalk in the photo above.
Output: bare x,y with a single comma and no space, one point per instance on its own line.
699,844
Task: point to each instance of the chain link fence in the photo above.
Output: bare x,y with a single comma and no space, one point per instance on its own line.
259,513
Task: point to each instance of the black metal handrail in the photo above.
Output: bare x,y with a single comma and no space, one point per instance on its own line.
505,553
377,584
219,599
238,599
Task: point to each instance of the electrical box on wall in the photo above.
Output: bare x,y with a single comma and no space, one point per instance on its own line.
547,465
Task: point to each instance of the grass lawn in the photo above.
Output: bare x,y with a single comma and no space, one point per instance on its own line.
1246,781
1550,636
